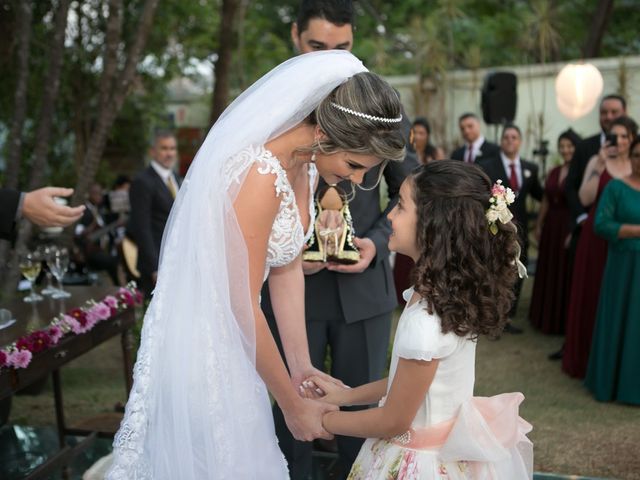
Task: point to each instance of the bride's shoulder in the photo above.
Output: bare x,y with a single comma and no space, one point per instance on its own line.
257,156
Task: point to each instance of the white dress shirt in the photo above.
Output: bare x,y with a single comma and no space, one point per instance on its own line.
506,161
475,149
165,173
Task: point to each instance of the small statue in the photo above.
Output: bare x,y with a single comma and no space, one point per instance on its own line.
332,240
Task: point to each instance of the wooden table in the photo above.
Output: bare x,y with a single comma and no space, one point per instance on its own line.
38,315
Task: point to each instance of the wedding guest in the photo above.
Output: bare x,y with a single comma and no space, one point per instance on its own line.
95,238
614,362
38,206
611,107
522,177
476,147
421,141
425,152
591,254
151,196
548,309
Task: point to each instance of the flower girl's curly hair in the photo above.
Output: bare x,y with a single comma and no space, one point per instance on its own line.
465,273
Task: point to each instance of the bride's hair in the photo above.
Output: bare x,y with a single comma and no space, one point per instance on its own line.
365,93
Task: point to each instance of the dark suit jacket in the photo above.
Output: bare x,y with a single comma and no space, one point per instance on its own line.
9,200
586,149
487,149
494,168
151,203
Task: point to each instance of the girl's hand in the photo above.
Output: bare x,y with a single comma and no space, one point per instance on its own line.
327,391
299,375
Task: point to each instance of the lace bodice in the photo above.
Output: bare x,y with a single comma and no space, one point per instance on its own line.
287,236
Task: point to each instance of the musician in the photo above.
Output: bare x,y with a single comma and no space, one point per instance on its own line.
95,237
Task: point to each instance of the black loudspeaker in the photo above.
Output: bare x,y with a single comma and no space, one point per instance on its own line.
499,98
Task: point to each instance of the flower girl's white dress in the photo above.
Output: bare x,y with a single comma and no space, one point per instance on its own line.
454,435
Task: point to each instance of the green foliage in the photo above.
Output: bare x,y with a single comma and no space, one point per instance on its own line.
392,38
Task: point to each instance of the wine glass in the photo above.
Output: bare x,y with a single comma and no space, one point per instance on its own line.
58,263
30,264
45,251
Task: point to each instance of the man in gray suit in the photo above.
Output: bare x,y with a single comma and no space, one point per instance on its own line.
348,307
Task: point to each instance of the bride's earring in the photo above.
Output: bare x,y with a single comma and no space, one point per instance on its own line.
313,157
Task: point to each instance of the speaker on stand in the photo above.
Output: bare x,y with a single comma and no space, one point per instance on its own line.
499,99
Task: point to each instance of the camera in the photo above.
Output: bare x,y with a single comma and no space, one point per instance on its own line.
612,138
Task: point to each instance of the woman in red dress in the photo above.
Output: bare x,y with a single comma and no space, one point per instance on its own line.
548,309
591,255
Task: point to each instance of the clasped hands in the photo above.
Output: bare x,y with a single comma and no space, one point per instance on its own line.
318,394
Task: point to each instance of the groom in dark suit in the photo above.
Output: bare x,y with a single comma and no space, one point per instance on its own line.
151,196
348,308
522,177
476,147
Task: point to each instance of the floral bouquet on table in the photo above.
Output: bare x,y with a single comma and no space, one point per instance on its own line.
74,322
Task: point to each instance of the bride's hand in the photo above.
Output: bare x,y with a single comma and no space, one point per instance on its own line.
329,392
305,420
301,374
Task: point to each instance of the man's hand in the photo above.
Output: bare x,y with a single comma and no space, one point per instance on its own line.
367,253
41,208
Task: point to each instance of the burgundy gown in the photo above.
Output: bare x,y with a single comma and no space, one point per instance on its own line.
402,275
588,268
548,309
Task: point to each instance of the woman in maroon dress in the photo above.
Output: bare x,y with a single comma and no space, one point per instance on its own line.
591,255
548,309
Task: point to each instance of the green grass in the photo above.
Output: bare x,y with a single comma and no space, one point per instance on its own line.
573,434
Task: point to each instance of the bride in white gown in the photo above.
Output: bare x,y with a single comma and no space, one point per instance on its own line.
199,407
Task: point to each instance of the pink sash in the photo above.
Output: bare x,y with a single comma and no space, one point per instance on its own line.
486,429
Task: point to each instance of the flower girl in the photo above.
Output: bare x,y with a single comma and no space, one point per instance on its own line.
428,425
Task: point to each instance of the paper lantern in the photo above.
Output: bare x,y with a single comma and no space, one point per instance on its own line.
578,87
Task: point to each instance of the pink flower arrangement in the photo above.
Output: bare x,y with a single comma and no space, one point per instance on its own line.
111,302
20,358
126,297
40,341
55,334
78,321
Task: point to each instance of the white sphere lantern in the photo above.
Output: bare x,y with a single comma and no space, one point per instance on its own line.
578,87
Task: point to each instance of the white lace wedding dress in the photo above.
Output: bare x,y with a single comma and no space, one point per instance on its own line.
198,408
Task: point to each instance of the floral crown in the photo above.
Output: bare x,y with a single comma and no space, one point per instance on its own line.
501,198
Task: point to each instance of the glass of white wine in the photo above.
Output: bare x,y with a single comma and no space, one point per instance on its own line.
30,264
58,263
44,251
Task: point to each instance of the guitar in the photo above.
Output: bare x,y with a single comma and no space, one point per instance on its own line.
129,253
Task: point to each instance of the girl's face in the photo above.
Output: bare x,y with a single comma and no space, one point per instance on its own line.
566,149
420,137
624,139
404,219
339,166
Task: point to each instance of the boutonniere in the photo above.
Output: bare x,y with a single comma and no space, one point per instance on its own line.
526,173
479,154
